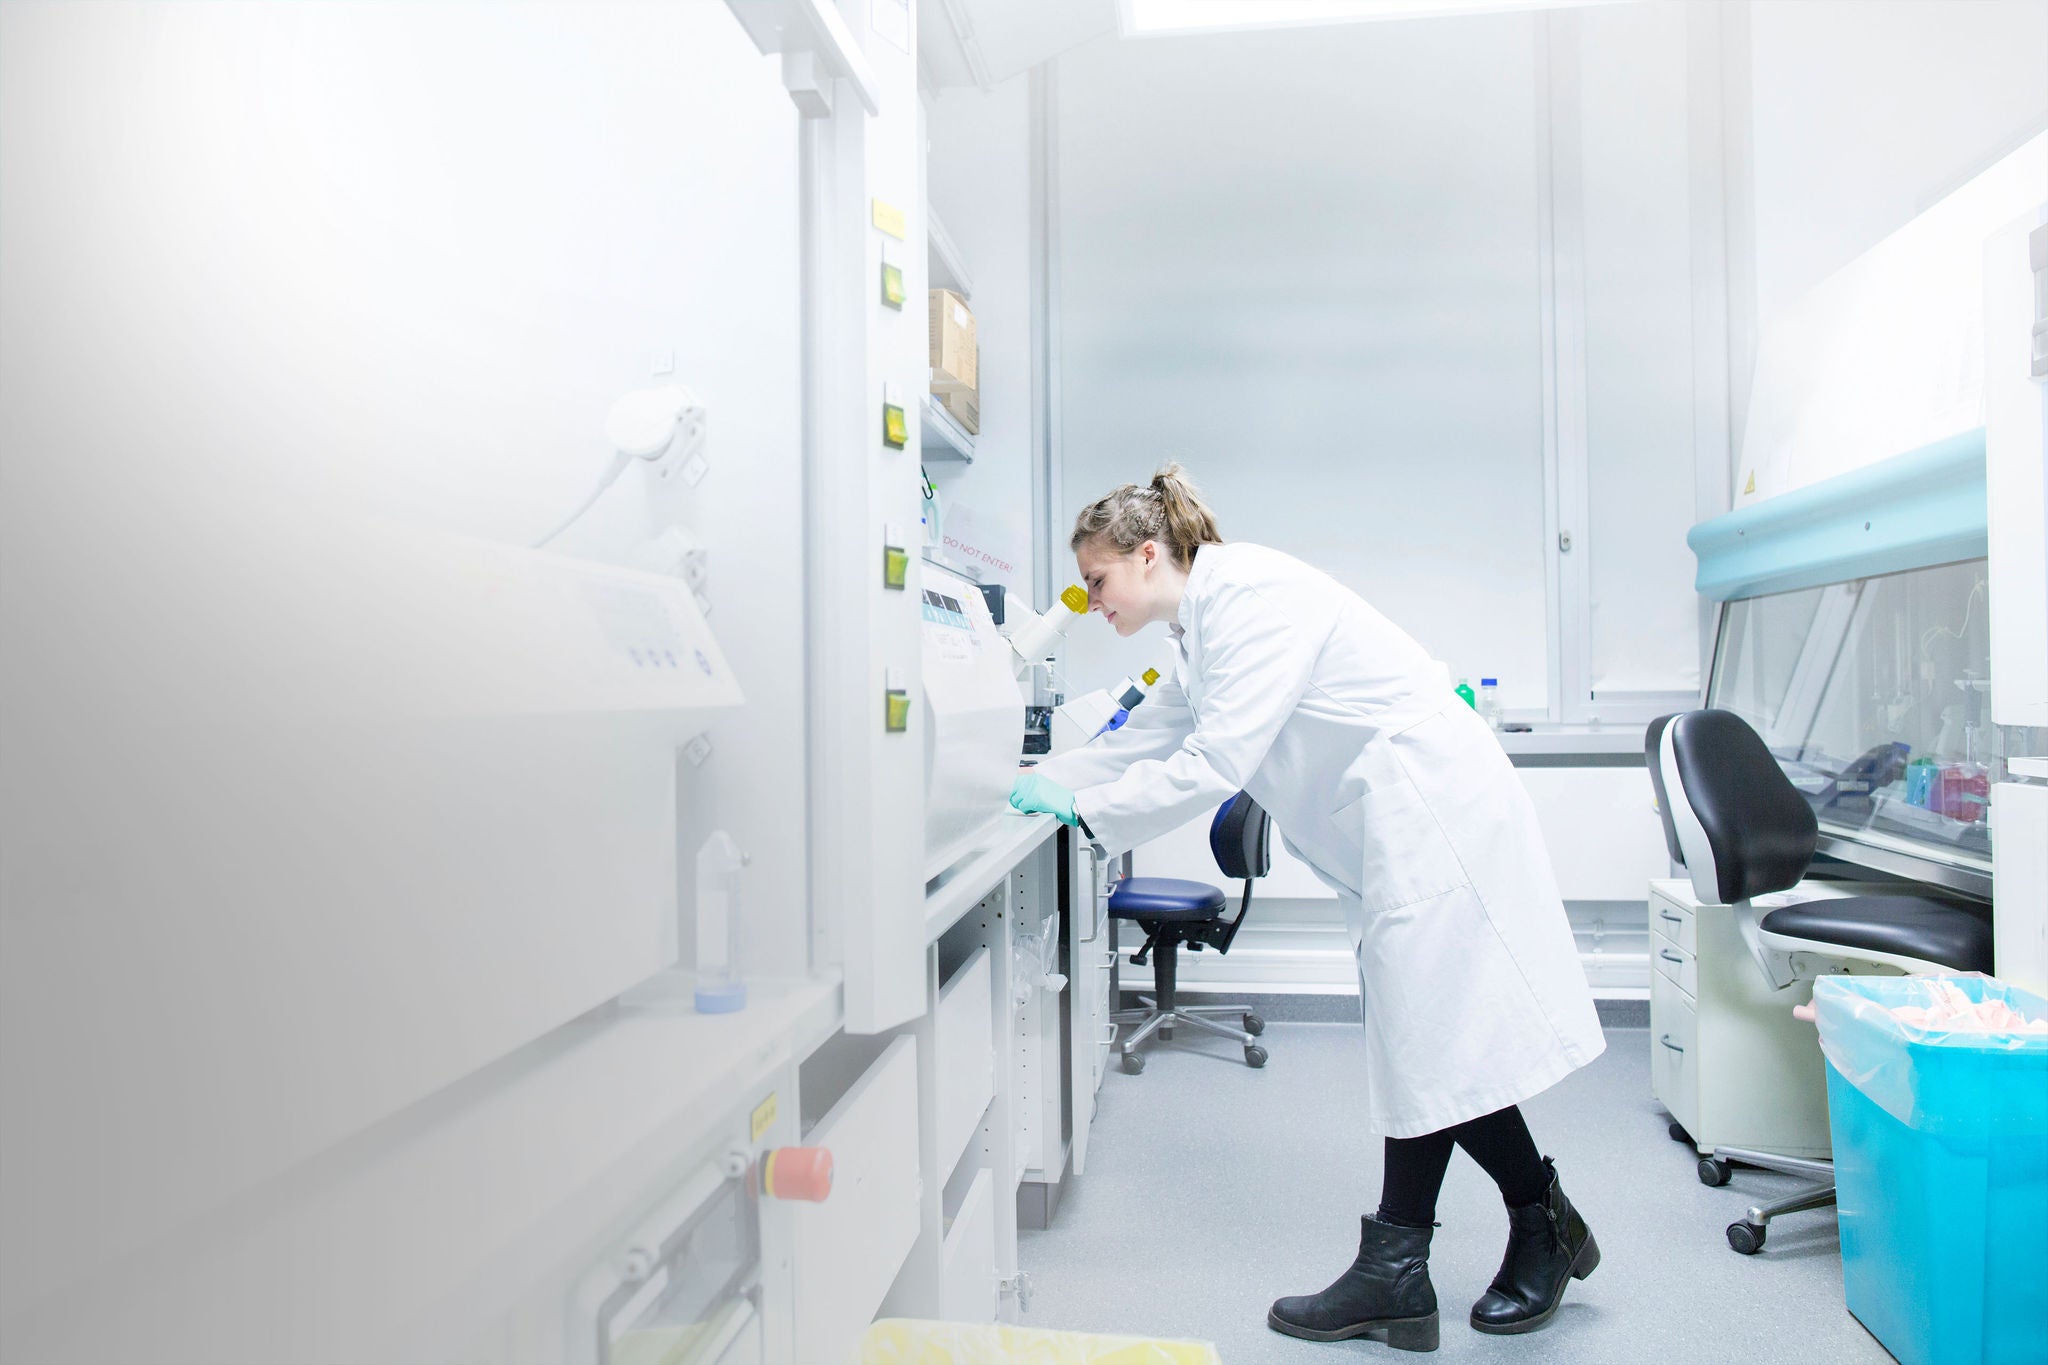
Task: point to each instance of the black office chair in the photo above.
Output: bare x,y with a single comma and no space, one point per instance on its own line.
1173,912
1742,830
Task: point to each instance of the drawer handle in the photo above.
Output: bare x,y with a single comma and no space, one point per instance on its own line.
1666,1040
1670,956
1666,914
1111,1038
1095,879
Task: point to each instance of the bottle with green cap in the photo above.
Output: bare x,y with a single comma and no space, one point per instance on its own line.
1464,689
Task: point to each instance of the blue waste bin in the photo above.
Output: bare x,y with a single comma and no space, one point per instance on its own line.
1941,1171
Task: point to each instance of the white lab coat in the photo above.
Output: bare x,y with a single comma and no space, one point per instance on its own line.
1289,687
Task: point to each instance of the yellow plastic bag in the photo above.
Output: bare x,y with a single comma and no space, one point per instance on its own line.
906,1341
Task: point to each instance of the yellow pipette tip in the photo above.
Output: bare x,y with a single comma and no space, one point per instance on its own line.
1076,600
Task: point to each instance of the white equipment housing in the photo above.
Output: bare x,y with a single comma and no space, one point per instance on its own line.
1081,719
974,723
303,798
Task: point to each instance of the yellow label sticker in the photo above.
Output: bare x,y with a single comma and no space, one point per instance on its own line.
890,219
1750,487
764,1116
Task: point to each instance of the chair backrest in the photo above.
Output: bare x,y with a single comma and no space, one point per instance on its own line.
1240,837
1653,749
1744,828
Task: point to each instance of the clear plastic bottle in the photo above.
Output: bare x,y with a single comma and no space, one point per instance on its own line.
720,988
1489,701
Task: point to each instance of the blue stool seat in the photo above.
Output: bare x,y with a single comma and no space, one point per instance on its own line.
1165,898
1174,914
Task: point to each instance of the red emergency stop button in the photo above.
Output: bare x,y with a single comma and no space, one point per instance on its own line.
797,1173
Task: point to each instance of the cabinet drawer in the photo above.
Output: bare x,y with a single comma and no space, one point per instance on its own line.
966,1053
848,1248
967,1287
1674,1052
1102,1027
1678,965
1675,922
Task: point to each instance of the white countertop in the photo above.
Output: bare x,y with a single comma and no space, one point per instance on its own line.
1573,740
1001,845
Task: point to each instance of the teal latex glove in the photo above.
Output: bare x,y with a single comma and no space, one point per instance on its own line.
1033,794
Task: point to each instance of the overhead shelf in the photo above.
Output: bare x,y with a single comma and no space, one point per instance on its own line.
947,267
943,438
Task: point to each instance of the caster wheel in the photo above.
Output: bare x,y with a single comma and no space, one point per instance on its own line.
1254,1025
1134,1065
1254,1055
1677,1133
1746,1238
1714,1171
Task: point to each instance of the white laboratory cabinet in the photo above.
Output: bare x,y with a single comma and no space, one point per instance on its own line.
1092,967
1727,1059
2016,470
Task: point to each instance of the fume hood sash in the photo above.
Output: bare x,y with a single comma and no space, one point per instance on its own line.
1925,507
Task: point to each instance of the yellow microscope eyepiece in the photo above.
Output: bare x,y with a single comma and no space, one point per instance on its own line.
1075,600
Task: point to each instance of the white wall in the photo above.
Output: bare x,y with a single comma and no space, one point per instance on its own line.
1863,114
1640,241
1868,111
1305,263
978,184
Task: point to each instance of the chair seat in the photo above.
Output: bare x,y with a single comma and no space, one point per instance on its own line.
1165,898
1905,926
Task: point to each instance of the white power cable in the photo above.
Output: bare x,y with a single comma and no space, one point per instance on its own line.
611,476
641,426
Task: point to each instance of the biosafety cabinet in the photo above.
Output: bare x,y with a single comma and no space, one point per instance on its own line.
347,1009
1883,625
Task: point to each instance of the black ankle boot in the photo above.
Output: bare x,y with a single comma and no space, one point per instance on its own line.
1548,1244
1386,1293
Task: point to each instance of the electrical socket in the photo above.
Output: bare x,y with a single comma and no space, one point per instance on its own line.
678,553
685,454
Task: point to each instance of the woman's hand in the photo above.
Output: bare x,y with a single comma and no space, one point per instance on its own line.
1033,795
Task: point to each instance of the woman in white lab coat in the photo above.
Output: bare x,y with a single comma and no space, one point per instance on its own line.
1289,687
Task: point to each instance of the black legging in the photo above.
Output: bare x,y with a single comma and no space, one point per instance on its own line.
1499,1142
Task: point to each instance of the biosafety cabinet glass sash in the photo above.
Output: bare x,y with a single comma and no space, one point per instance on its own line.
1875,697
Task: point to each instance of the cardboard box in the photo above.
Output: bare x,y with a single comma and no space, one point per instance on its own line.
953,345
965,407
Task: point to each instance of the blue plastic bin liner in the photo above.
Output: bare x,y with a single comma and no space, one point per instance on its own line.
1941,1171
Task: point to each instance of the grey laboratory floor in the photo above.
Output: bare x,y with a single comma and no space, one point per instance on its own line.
1213,1189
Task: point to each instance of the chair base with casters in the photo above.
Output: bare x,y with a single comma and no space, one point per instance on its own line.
1173,913
1187,913
1741,830
1850,935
